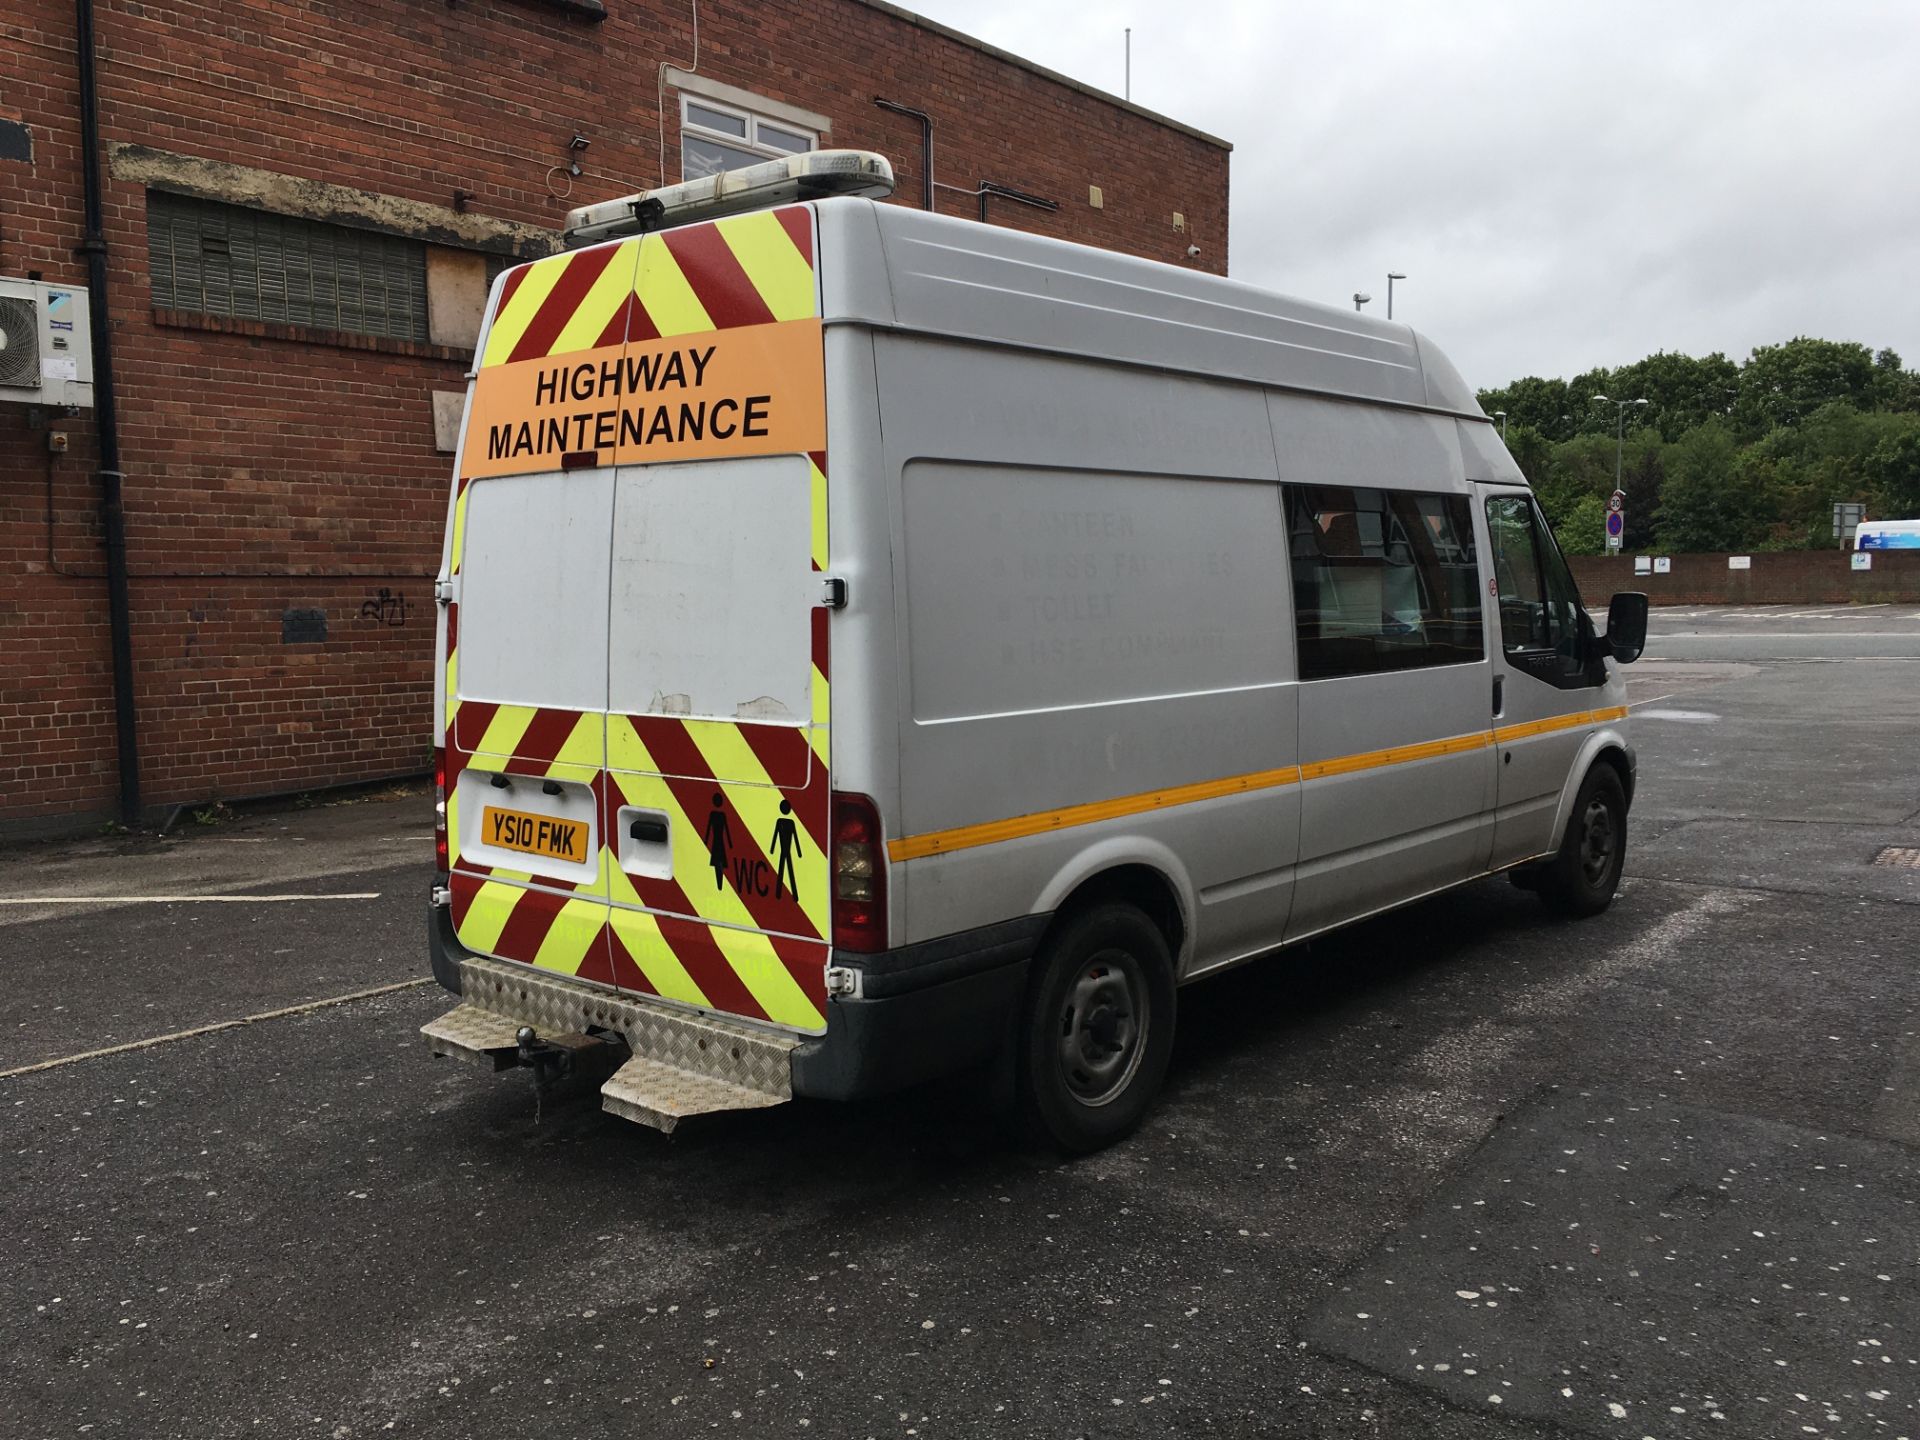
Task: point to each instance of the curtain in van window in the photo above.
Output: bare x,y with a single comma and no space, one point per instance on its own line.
1382,580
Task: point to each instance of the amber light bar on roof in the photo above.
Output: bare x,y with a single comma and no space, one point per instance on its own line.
814,175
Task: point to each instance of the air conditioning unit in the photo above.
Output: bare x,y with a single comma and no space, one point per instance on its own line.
46,347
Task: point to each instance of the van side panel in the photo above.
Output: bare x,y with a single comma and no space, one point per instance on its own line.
1093,637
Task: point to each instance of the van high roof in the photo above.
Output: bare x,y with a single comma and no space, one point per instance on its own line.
888,266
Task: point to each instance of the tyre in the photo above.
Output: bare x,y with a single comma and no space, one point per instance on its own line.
1097,1029
1581,879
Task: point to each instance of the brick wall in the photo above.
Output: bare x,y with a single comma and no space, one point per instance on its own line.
1786,577
268,475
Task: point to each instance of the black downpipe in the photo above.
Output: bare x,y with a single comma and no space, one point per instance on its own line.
926,146
113,516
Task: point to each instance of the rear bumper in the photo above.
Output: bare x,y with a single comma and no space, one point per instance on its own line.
920,1012
917,1013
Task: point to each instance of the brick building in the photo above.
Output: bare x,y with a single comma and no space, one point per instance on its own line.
302,204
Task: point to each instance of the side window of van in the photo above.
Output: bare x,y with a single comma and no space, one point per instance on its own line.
1539,606
1382,580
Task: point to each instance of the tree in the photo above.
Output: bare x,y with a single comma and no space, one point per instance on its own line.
1892,473
1582,528
1681,392
1540,405
1703,505
1783,384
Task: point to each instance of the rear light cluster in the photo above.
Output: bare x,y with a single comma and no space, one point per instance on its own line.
859,876
440,848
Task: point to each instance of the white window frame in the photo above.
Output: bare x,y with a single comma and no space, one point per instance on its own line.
751,142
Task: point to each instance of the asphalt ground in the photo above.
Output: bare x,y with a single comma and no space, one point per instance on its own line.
1463,1170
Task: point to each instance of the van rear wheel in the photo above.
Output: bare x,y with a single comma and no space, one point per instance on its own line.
1097,1030
1582,878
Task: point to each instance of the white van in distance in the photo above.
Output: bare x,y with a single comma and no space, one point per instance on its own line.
874,645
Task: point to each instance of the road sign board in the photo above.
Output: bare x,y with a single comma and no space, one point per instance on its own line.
1616,523
1617,501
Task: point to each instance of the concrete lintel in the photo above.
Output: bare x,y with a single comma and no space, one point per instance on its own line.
335,204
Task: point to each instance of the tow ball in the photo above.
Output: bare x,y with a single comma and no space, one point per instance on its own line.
588,1057
550,1062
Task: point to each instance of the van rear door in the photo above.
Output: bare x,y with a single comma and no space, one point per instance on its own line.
642,529
717,737
526,634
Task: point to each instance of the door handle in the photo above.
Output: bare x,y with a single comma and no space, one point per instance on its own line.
651,830
1499,682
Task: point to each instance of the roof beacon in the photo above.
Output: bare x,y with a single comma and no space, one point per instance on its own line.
814,175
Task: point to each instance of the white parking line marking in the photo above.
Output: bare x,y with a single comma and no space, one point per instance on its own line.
218,1025
181,899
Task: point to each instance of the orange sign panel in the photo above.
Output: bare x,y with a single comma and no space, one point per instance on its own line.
751,390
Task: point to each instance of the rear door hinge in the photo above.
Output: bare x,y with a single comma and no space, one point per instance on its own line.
443,592
833,592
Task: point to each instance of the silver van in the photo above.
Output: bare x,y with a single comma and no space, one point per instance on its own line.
874,644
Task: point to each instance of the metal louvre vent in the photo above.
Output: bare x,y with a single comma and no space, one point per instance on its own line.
19,342
231,261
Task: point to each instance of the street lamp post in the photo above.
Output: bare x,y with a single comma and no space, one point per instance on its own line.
1620,430
1360,298
1501,416
1392,275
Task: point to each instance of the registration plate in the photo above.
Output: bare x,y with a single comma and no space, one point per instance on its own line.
535,834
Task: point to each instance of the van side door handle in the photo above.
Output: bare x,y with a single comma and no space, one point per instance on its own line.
1499,681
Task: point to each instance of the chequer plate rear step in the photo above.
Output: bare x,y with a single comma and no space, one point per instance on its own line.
682,1064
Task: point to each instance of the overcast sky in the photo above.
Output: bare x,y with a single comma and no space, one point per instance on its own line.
1564,184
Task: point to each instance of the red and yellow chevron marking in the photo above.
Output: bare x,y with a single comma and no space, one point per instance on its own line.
745,270
746,938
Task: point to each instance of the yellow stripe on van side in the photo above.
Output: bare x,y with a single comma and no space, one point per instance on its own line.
941,842
965,837
1396,755
1531,728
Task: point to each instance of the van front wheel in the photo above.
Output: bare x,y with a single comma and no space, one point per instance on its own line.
1097,1030
1582,878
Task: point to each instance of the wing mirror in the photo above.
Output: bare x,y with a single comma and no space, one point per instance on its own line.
1627,626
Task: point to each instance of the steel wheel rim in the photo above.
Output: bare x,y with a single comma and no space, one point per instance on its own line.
1597,841
1102,1024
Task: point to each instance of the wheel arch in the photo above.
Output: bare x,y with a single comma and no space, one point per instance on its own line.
1132,871
1604,747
